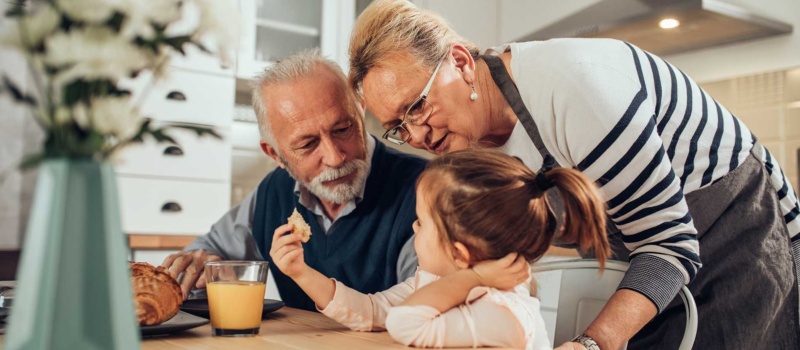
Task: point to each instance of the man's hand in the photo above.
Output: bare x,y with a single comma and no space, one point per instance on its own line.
503,274
570,346
287,252
192,265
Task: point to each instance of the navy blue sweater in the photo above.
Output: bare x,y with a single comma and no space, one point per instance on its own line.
361,249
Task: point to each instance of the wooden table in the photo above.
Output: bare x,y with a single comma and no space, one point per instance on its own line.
286,328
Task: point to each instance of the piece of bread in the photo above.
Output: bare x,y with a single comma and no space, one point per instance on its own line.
157,295
301,228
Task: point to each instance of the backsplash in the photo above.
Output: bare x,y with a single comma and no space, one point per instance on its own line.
769,104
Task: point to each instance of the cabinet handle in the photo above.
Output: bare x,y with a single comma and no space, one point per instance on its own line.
173,151
176,96
171,207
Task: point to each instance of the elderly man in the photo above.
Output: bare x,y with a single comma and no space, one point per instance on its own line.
357,195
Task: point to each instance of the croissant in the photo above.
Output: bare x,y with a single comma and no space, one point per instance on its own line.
157,294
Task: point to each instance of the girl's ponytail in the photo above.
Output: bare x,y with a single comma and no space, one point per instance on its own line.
585,216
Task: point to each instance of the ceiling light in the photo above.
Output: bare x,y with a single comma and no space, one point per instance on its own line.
669,23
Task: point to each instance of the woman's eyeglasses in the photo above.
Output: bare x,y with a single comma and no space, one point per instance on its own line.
416,114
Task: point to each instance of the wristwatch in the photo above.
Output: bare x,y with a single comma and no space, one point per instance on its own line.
586,341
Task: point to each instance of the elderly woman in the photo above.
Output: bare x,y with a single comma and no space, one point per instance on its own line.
680,174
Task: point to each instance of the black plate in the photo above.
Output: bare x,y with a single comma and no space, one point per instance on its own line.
181,322
199,307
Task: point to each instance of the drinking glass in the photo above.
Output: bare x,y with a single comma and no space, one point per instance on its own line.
236,296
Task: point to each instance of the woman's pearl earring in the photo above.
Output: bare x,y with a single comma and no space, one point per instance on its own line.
474,95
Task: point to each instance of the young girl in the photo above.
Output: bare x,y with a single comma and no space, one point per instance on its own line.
482,218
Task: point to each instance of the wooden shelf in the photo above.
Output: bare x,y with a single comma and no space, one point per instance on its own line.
159,241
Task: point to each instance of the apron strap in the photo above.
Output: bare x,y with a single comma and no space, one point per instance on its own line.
511,93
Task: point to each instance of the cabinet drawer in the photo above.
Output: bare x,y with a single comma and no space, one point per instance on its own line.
204,158
185,96
152,206
202,62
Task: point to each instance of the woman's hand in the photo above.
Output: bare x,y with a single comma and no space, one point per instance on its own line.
287,252
503,274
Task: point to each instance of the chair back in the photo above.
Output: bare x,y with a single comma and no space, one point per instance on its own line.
572,293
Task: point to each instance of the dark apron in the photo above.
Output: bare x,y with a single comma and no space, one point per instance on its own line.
747,290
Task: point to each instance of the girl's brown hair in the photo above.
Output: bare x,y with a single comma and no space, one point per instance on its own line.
495,205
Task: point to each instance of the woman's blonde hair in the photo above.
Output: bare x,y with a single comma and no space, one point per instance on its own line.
388,27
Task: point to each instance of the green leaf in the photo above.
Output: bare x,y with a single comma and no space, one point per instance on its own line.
17,93
199,130
31,161
143,130
16,10
161,136
203,48
83,91
115,23
177,42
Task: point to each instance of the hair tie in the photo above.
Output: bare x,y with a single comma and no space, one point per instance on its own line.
542,182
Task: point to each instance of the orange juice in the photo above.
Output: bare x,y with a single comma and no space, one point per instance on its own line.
236,305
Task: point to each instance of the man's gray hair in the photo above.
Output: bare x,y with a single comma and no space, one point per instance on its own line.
294,67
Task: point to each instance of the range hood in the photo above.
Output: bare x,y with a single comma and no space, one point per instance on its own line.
703,23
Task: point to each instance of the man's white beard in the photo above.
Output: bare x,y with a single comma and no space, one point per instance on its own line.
343,192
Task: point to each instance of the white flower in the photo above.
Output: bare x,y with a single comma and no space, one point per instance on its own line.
90,11
28,31
109,116
162,12
61,115
94,53
219,23
160,66
80,114
141,16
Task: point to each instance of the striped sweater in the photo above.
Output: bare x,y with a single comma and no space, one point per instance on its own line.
647,134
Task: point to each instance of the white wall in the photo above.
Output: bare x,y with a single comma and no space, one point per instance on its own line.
489,23
473,19
495,22
750,57
19,135
10,150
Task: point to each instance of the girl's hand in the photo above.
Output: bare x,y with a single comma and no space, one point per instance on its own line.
287,252
503,274
571,346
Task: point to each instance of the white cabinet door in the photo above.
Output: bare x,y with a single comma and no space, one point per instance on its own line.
275,29
171,207
185,96
197,158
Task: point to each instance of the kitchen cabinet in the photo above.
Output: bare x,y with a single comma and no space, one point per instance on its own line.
179,189
274,29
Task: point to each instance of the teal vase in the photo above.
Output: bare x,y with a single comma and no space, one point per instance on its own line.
73,284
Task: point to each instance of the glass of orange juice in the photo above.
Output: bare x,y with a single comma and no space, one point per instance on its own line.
236,296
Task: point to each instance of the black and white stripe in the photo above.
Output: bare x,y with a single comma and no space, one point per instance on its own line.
657,137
